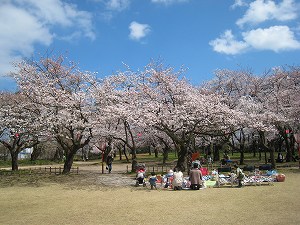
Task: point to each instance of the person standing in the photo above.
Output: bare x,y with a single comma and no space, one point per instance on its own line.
240,175
109,160
195,178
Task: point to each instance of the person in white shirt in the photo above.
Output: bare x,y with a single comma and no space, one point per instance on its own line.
177,179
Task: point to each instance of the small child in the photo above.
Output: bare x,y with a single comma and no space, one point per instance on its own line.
140,176
152,180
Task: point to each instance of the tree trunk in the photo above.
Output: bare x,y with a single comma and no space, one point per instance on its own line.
265,147
35,153
166,150
254,148
69,162
182,153
272,155
120,152
286,137
216,152
266,158
242,155
133,153
134,161
70,153
259,154
165,154
14,161
288,149
292,144
124,151
133,165
155,152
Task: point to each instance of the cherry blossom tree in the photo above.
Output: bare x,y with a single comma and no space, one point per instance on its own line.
280,94
118,117
254,97
170,104
261,120
62,93
20,124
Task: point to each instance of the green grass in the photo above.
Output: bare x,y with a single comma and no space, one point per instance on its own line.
80,199
145,157
28,162
151,160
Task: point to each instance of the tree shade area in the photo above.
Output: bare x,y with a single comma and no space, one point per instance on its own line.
155,107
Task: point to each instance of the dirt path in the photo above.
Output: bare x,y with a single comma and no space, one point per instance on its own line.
93,166
118,176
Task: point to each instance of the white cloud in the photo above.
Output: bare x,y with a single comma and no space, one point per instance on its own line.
138,30
19,32
118,5
263,10
112,7
56,12
227,44
168,2
276,38
24,23
238,3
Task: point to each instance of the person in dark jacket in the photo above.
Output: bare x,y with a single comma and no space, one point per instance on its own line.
109,160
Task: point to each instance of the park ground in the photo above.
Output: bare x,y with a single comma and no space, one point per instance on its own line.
91,197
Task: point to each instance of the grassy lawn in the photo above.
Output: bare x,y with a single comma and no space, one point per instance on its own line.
80,199
27,162
67,200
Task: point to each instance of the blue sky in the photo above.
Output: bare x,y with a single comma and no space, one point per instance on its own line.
201,35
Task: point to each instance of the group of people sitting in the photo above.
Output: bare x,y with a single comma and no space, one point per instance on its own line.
175,178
